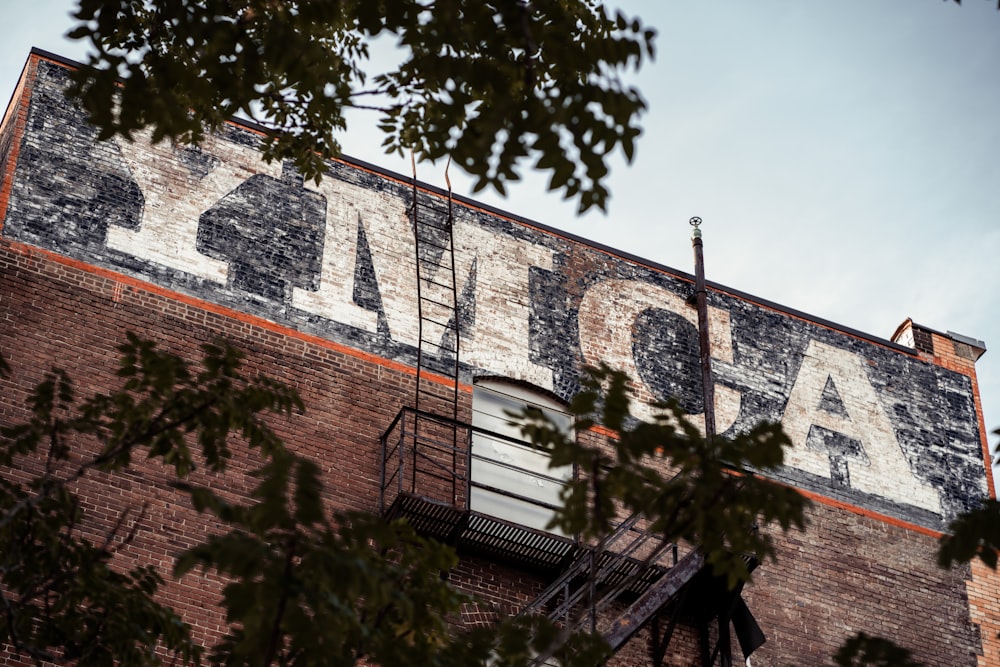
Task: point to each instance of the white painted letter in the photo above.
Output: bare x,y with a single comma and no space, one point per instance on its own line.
391,243
175,197
606,319
499,341
887,473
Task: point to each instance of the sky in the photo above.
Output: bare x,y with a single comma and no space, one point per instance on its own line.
844,156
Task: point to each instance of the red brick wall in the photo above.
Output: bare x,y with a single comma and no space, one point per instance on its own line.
848,573
984,602
62,316
542,305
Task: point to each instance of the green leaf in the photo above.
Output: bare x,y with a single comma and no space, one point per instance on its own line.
974,534
308,489
478,82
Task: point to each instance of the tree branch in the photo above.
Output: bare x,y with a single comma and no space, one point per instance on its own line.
279,612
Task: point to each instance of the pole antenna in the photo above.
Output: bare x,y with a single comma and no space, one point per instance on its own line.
704,343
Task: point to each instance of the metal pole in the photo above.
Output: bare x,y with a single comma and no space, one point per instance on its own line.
704,345
468,468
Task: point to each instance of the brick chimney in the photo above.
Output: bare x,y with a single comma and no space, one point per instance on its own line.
951,350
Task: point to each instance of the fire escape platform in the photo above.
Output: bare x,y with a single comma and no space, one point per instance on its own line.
479,534
483,535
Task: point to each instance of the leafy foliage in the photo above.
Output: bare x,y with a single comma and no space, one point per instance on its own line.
712,499
305,590
62,598
304,587
487,83
974,534
863,650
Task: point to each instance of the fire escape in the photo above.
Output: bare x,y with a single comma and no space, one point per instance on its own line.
631,580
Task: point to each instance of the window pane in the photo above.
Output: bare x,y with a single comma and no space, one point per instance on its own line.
505,507
489,411
507,469
518,475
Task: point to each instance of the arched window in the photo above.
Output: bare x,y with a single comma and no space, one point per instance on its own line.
510,479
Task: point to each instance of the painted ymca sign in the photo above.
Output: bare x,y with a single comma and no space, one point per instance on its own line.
871,424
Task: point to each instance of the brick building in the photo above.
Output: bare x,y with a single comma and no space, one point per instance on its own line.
318,284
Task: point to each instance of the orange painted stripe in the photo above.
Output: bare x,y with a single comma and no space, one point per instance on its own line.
854,509
817,497
603,430
29,251
878,516
246,318
17,115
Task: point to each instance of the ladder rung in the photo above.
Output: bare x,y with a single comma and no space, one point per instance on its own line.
437,303
443,325
438,292
434,267
440,351
434,283
425,242
439,297
432,353
431,225
440,267
440,356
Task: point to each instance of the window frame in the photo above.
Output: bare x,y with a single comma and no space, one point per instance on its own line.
509,478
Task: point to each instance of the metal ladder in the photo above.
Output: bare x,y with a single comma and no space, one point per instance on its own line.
439,330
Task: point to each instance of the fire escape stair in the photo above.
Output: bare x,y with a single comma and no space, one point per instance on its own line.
623,578
656,597
630,564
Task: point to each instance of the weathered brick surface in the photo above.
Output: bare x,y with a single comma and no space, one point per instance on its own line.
873,423
317,285
984,602
63,316
850,573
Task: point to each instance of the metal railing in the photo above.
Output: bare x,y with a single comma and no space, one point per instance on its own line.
431,456
629,557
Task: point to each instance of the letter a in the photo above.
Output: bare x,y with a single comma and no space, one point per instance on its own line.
887,473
